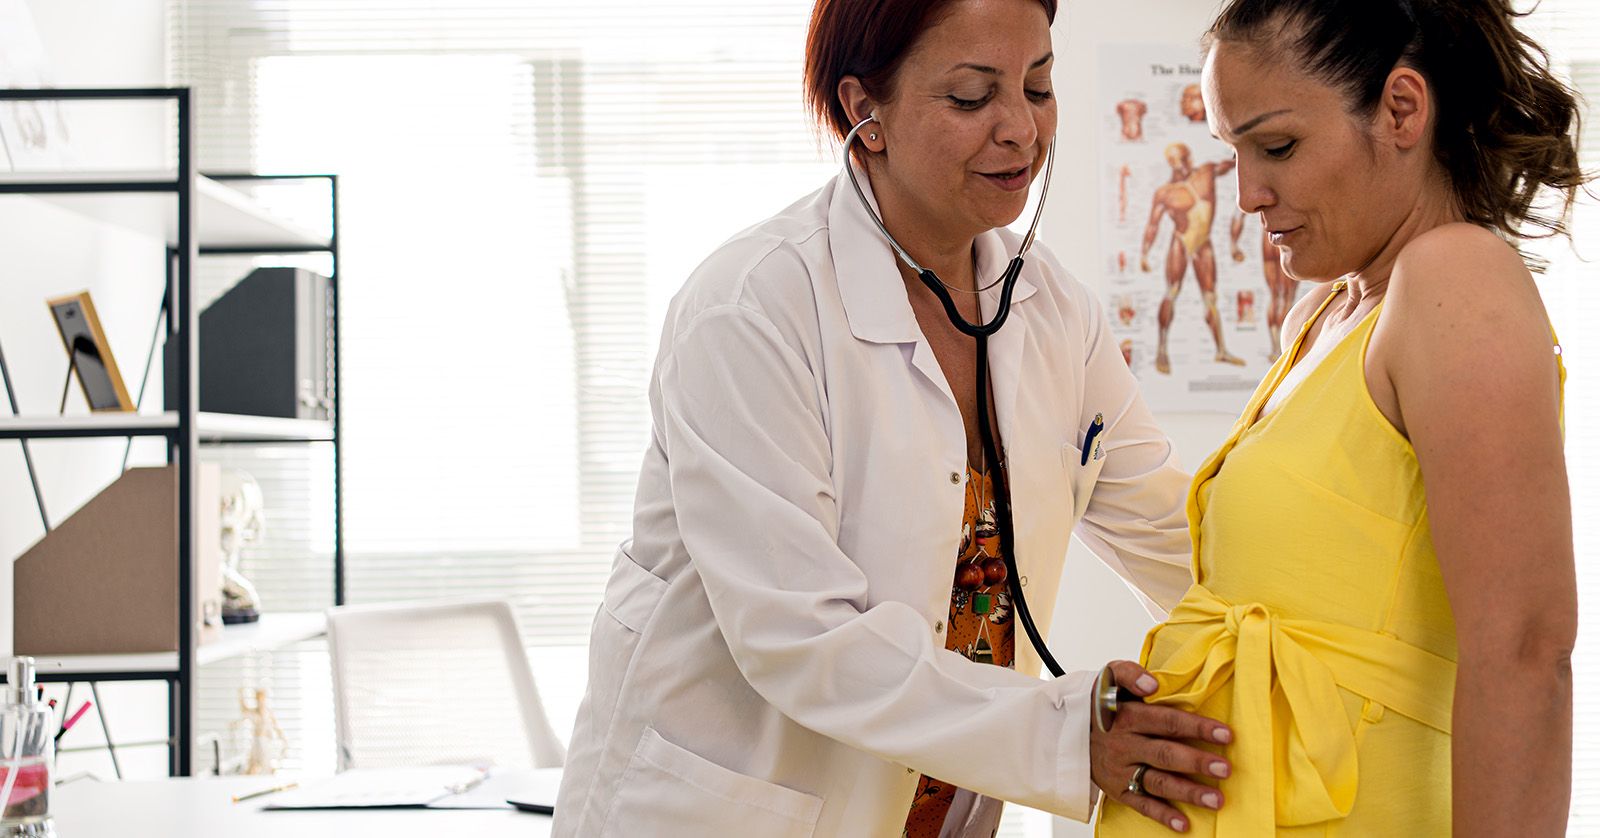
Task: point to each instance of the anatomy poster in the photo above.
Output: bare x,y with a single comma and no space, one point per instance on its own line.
1190,283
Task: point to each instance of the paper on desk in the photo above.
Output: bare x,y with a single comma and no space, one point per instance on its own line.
375,787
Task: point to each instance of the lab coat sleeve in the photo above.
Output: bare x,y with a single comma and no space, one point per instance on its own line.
1136,521
741,416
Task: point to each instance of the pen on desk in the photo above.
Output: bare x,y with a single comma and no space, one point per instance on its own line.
265,792
468,785
67,725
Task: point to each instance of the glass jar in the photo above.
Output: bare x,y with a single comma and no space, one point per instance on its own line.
27,771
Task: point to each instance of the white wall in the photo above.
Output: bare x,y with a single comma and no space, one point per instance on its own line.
47,251
1096,618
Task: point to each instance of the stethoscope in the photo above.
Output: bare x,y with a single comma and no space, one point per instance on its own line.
1105,690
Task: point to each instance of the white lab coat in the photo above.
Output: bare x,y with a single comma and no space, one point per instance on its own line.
769,659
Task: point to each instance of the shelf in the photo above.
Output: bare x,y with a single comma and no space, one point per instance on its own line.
212,427
88,425
227,427
143,202
272,631
224,219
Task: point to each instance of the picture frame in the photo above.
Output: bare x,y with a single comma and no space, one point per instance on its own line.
89,353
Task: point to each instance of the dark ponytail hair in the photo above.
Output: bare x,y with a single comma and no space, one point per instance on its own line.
1504,125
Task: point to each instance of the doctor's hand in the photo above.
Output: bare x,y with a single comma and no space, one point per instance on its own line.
1145,762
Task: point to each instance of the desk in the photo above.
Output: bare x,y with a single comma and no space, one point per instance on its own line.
204,808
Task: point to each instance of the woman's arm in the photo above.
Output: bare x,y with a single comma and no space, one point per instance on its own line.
1135,520
1468,352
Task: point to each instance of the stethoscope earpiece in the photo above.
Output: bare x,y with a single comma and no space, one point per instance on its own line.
931,279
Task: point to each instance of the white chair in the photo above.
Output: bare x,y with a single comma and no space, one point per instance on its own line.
435,683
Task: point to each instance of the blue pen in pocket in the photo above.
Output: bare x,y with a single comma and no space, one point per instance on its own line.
1091,436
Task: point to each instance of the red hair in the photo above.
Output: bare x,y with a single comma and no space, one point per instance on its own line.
868,39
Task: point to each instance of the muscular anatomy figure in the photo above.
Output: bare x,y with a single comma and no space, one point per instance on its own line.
1235,230
1190,200
1282,289
1122,193
1191,105
1132,112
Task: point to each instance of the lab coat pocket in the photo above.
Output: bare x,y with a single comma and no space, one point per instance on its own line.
667,792
632,592
1081,478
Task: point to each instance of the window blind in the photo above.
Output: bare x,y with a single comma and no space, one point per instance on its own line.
523,185
513,178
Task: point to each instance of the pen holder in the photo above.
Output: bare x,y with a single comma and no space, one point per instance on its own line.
27,771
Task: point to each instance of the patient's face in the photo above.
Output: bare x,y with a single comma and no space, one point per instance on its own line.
1328,195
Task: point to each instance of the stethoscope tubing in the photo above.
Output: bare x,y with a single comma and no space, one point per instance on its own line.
980,332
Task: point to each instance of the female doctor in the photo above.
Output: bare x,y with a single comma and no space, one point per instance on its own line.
812,630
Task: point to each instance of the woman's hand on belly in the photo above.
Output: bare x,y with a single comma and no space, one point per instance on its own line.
1155,736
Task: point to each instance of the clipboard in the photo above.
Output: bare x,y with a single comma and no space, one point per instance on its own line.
427,787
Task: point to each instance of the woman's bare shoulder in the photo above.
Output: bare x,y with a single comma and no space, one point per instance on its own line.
1459,259
1461,273
1461,302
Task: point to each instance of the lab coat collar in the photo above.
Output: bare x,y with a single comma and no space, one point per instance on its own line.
870,286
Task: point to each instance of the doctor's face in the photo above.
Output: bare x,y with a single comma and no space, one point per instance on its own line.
971,118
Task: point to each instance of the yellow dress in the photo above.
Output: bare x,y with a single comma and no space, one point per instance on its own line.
1318,627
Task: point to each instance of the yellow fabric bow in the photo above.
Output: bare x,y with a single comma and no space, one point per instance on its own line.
1294,745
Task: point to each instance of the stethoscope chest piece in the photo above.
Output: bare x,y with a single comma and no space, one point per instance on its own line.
1105,700
1108,699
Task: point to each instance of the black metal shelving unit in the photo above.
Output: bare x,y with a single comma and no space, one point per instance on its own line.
183,425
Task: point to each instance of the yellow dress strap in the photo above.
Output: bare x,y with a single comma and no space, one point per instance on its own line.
1286,360
1287,713
1561,371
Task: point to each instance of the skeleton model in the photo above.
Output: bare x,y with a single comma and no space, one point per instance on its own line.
241,524
267,742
